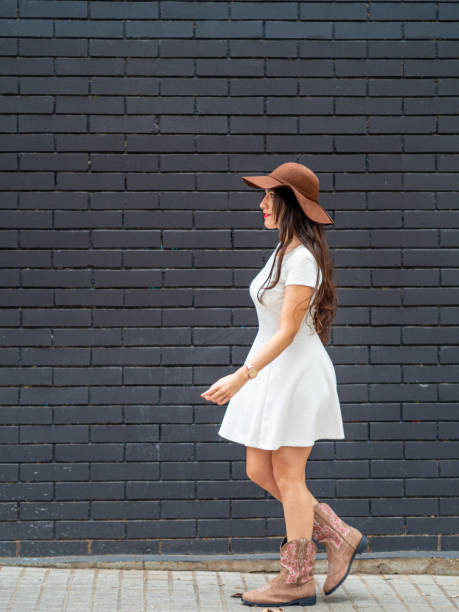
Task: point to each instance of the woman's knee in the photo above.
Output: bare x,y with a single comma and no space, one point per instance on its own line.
259,474
259,467
289,468
286,479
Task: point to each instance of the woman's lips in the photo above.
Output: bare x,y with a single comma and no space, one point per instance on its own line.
265,215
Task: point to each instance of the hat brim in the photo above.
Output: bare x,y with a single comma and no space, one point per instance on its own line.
311,209
262,182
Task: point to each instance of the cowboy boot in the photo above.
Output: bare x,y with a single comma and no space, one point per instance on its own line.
295,584
342,542
269,582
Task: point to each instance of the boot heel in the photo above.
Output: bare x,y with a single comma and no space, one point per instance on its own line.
305,601
363,545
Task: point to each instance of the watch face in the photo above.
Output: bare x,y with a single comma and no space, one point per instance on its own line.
252,372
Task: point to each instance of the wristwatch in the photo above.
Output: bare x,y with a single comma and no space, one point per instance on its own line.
252,372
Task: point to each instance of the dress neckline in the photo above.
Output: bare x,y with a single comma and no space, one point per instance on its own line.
291,251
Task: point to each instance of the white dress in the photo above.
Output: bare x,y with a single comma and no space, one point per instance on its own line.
293,401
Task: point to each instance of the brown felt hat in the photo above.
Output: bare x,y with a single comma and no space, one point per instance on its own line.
304,184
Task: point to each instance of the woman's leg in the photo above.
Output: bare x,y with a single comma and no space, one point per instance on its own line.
259,468
289,466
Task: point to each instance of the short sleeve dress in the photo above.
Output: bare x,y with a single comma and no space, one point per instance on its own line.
293,401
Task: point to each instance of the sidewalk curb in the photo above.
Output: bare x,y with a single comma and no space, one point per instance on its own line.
404,562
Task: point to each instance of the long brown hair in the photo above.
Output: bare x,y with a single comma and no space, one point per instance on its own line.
293,222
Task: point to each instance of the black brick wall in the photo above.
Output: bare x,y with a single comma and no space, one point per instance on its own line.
129,240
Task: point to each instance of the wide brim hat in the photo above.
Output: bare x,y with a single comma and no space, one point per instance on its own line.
302,181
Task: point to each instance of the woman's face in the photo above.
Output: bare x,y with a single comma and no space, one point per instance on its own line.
266,206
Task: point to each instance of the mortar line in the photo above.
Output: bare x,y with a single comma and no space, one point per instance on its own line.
67,590
441,587
120,589
171,591
196,590
389,582
370,590
93,591
42,588
351,600
16,588
416,586
221,591
145,589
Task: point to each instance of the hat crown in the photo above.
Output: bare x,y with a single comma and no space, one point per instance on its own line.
298,176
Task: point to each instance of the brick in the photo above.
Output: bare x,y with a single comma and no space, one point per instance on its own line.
74,491
197,546
65,8
53,47
131,471
25,491
19,530
58,433
89,529
160,490
86,414
403,431
89,452
405,507
124,547
437,525
31,548
8,511
141,452
89,29
159,29
409,469
406,542
225,528
25,453
193,509
54,472
449,505
123,510
441,486
255,508
162,529
380,488
9,8
33,511
26,27
19,415
124,433
203,10
9,434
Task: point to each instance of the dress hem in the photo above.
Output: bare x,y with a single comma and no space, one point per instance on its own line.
282,443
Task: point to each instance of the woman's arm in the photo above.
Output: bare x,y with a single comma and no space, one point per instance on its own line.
294,307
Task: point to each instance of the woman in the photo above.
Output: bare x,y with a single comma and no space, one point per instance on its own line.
284,397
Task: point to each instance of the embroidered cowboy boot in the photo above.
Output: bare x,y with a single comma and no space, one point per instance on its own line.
295,583
342,542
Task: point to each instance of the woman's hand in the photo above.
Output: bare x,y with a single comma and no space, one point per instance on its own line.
224,388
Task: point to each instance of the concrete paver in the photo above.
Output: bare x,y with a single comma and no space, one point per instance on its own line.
36,589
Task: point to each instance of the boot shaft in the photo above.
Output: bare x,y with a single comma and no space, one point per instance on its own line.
328,527
298,557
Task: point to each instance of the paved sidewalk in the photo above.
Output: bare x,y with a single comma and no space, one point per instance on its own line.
36,589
